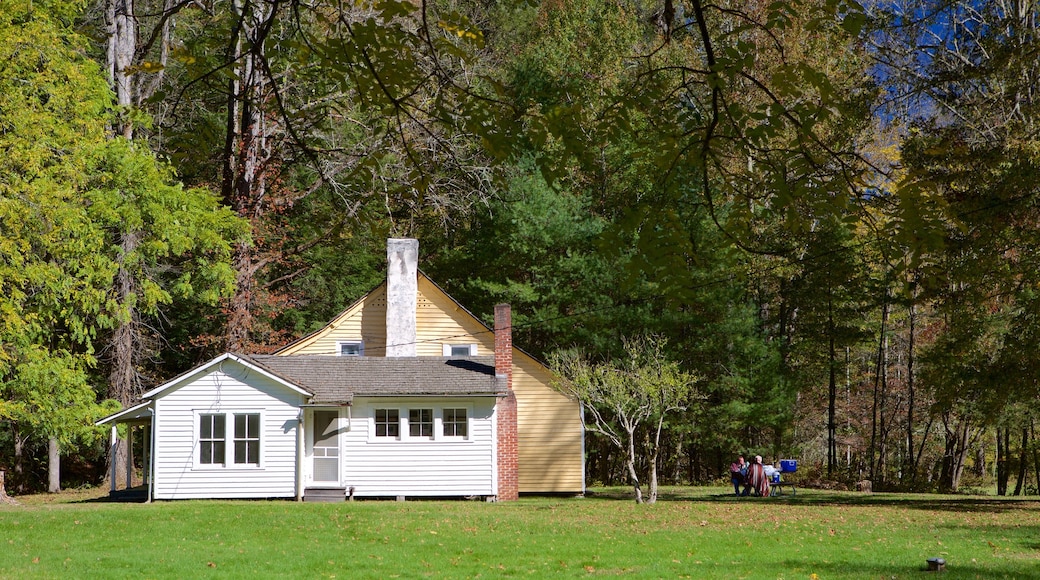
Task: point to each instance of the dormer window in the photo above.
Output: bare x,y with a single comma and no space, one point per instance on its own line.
352,348
459,349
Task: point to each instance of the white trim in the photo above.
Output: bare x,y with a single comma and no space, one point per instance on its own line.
229,441
446,349
114,418
186,377
359,342
439,423
404,427
401,425
337,425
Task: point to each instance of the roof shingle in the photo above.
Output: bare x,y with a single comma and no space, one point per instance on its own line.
338,379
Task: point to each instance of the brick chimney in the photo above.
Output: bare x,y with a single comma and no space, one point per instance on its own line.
505,408
402,264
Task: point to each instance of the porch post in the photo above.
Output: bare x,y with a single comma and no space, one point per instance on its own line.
147,456
129,455
112,442
299,457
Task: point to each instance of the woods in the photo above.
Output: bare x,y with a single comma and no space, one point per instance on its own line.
824,212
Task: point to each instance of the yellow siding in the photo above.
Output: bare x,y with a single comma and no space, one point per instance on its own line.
549,424
549,429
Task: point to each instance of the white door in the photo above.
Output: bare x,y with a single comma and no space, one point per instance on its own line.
326,447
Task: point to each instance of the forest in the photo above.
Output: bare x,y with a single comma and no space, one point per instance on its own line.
820,212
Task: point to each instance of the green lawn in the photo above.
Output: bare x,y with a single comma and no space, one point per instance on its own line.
690,533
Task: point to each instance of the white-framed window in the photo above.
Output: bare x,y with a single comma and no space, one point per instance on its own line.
455,422
352,348
231,439
212,439
459,349
247,439
450,422
388,423
420,423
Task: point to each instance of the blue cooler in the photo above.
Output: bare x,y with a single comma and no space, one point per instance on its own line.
788,465
776,477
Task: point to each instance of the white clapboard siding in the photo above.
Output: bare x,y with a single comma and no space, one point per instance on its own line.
421,468
228,388
550,434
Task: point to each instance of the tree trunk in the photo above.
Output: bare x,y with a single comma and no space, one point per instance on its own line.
246,153
1022,462
1036,454
4,498
910,465
122,46
19,459
1002,461
53,466
126,346
832,395
877,384
631,464
654,453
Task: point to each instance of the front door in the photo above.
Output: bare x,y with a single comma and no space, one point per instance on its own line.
326,447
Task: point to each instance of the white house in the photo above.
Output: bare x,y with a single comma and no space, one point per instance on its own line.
383,413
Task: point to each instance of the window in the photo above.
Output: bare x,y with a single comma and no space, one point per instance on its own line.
352,348
455,424
239,448
459,349
211,439
388,423
247,439
420,423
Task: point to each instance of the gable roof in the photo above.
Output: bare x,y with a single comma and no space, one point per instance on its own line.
240,359
338,379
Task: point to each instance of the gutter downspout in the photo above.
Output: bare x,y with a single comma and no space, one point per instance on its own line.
113,439
299,456
151,457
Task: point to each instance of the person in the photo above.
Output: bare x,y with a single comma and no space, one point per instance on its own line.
737,470
756,480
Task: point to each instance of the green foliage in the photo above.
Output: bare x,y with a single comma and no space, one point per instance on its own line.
183,237
69,198
52,110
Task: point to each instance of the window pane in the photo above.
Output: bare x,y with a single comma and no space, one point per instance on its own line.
247,439
460,350
350,349
455,422
387,423
420,422
211,439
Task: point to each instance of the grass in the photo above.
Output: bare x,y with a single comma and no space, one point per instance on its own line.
689,533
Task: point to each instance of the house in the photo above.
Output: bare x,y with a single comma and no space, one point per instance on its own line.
404,394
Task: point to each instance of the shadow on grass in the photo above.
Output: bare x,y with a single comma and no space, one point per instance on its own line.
812,497
137,494
953,570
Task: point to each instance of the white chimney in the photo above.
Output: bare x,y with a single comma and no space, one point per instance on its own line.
402,260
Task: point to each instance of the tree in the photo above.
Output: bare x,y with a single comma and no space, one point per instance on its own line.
52,103
620,397
99,234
